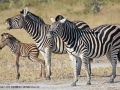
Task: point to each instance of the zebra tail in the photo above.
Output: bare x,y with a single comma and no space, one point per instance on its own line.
119,56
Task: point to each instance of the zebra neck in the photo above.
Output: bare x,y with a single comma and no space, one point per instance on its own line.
13,45
37,31
69,37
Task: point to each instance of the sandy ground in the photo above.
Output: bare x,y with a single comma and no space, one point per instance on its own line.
99,83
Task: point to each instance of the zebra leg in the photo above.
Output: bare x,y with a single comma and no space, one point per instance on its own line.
41,70
113,56
79,64
41,62
89,65
74,64
47,57
108,55
85,63
17,66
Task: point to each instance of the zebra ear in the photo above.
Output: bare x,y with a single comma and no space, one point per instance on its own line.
25,11
5,35
63,20
52,19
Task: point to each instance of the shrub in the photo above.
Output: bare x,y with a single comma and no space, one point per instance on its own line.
92,6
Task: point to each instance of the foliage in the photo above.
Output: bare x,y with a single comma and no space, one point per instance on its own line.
6,4
91,6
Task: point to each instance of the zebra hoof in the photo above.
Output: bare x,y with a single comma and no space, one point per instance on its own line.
109,75
111,81
88,83
73,84
18,76
47,78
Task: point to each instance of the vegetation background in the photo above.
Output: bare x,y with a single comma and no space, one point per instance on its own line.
93,12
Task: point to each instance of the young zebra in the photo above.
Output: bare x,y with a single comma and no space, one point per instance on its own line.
38,32
102,40
21,49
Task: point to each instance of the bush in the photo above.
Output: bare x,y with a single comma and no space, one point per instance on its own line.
92,6
4,6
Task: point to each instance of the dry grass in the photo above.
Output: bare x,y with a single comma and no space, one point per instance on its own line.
61,65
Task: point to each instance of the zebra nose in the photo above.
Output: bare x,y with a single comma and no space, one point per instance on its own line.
49,35
7,20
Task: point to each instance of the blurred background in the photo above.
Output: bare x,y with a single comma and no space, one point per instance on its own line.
93,12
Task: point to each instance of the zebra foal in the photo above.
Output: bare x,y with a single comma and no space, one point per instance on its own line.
22,49
88,43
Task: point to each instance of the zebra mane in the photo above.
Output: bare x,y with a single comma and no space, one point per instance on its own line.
73,27
70,24
10,37
34,17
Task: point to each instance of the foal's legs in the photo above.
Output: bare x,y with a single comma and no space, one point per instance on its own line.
17,66
41,62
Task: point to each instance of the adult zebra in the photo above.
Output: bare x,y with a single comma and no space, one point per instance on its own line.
38,32
22,49
102,40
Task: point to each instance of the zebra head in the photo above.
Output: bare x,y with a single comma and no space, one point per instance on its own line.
55,28
17,21
7,39
59,17
4,40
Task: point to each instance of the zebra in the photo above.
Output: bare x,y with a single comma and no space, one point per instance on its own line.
79,24
22,49
93,43
82,25
38,32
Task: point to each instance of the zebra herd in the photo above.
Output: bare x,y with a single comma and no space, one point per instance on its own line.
37,29
72,37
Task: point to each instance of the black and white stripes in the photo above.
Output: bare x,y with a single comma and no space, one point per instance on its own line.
102,40
38,30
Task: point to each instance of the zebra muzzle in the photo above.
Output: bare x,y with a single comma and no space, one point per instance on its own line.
7,22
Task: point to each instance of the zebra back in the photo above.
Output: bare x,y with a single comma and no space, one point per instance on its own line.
96,44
